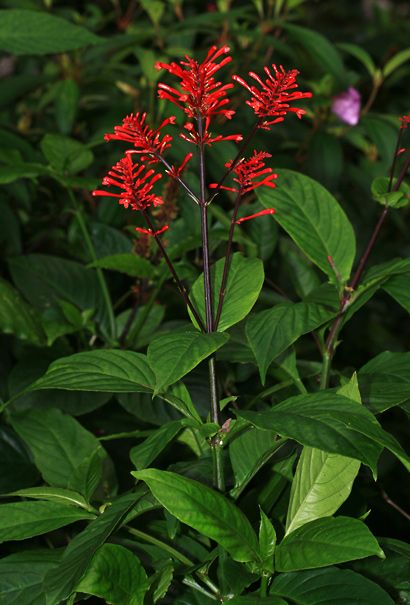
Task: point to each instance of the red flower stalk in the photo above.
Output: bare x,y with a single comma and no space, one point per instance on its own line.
272,98
202,96
247,170
405,121
146,140
135,182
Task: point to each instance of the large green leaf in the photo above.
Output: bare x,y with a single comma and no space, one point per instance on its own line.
255,599
399,288
22,520
385,380
116,576
245,281
18,317
17,468
272,331
54,494
22,575
29,32
45,279
325,542
101,370
322,482
324,53
315,221
63,450
174,354
128,263
204,509
143,454
326,586
61,582
66,155
331,423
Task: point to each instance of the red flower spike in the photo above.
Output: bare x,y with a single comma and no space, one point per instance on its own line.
136,183
247,170
405,121
175,173
261,213
272,98
150,232
146,140
201,95
207,139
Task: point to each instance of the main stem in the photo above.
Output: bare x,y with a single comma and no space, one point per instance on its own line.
174,274
215,409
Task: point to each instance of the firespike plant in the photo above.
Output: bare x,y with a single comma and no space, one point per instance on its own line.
284,459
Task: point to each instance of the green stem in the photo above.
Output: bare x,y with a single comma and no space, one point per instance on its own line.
326,364
176,554
93,256
264,586
217,459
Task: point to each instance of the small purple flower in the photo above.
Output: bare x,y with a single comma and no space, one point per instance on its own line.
346,106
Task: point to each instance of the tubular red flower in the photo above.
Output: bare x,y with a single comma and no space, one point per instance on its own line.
150,232
247,170
272,98
145,139
405,121
194,137
201,94
256,215
135,182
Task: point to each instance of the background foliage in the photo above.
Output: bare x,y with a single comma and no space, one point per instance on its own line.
70,436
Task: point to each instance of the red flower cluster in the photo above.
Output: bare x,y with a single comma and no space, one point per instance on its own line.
145,139
135,182
201,95
405,121
247,170
272,98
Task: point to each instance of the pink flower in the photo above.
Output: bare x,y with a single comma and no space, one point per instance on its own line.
346,106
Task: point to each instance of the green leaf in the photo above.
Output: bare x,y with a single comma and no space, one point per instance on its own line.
245,281
27,32
66,104
325,542
381,192
18,317
315,221
174,354
360,54
399,288
321,50
143,454
66,155
45,279
53,494
18,470
322,481
22,520
101,370
385,380
116,576
272,331
331,423
248,452
325,159
396,62
11,173
256,600
22,575
204,509
61,582
321,484
329,586
60,447
130,264
267,542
